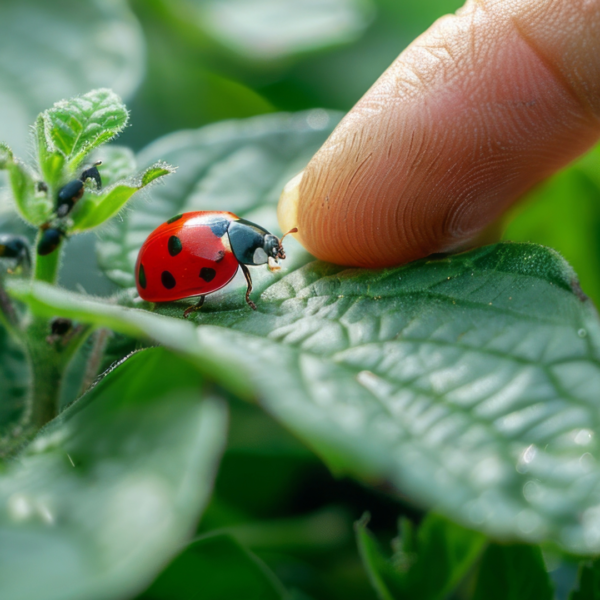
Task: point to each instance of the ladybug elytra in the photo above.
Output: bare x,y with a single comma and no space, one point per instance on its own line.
197,253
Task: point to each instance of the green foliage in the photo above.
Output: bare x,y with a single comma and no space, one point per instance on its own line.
467,385
222,568
323,329
589,581
513,572
50,51
427,566
73,128
119,477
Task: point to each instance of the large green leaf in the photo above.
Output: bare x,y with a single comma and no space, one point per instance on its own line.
109,490
276,29
53,50
219,566
240,166
470,382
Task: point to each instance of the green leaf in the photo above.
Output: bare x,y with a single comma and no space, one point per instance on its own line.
55,50
589,581
109,490
94,209
442,555
32,204
513,572
272,30
73,128
118,163
548,216
239,166
219,566
50,301
469,382
14,376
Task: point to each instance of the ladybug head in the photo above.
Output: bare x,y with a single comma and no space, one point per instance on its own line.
273,247
254,245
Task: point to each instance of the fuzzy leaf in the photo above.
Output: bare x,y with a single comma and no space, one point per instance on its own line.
109,490
94,209
32,204
74,127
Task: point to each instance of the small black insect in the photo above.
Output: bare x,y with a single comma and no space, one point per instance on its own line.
71,192
60,326
50,240
15,247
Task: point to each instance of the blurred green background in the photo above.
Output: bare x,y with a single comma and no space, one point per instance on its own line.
185,63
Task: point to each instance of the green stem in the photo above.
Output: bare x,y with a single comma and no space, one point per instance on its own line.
49,359
47,369
46,267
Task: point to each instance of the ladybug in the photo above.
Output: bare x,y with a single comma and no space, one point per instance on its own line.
71,192
196,253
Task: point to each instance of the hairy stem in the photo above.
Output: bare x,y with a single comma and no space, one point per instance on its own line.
49,358
95,359
47,370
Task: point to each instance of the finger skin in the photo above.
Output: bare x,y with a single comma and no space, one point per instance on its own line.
477,110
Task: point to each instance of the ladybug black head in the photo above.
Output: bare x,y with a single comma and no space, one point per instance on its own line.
273,247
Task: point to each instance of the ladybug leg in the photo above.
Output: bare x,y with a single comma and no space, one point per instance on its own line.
249,289
194,308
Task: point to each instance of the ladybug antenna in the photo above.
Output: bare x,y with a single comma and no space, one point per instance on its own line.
295,230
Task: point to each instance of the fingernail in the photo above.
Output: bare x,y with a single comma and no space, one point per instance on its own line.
287,210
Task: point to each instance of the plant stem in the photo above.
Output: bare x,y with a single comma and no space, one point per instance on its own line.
47,370
46,267
95,359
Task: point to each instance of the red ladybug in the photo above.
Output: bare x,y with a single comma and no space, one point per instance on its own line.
196,253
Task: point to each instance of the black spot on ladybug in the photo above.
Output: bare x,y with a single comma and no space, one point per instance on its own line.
219,226
174,245
142,277
168,280
220,256
175,218
207,274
